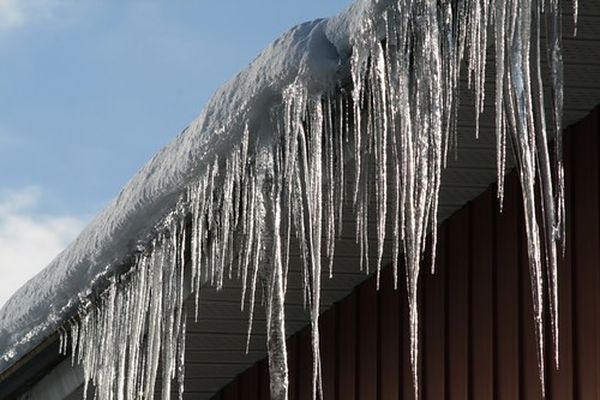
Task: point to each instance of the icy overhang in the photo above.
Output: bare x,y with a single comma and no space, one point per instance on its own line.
319,50
107,245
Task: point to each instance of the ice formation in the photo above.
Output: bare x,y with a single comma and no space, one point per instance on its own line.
371,93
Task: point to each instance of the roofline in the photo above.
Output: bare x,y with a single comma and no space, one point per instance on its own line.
31,368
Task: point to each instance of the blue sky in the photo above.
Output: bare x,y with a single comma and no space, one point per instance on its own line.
91,89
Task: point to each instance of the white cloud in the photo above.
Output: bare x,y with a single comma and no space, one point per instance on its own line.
29,240
17,13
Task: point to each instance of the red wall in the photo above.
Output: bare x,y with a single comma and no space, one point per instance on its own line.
477,336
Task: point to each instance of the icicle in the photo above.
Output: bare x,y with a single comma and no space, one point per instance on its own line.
119,340
61,340
380,103
258,215
74,339
575,16
500,38
391,121
181,361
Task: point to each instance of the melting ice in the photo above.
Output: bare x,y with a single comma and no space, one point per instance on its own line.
372,94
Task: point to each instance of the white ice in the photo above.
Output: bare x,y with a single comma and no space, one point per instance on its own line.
373,92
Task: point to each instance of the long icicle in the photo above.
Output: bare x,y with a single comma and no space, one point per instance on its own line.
392,120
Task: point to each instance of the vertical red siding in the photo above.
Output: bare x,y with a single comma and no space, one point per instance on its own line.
478,339
482,298
293,366
389,364
507,295
328,351
586,241
346,362
264,380
367,340
249,382
434,332
305,367
231,391
561,381
457,295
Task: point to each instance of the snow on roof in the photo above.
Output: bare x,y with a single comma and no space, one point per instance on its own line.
130,220
264,162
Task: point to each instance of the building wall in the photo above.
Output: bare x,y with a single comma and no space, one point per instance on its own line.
477,336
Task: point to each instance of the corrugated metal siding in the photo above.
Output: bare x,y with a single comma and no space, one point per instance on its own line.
477,337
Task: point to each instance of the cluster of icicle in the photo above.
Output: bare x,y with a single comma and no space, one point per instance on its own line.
136,323
391,127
